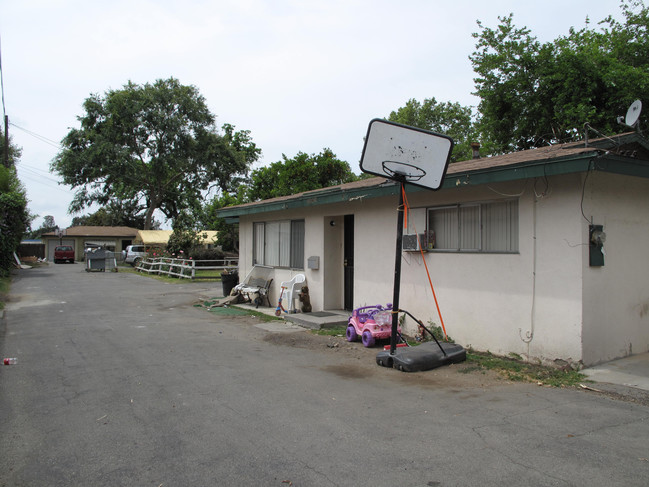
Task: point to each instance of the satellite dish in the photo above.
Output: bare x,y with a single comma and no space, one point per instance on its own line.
633,113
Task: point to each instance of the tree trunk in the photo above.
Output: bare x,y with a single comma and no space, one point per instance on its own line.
148,217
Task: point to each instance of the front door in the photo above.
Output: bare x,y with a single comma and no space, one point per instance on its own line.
349,262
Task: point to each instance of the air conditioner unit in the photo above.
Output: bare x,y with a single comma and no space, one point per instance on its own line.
410,243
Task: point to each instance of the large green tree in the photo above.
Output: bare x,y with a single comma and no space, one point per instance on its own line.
116,213
48,225
534,93
301,173
446,118
228,233
153,144
14,215
282,178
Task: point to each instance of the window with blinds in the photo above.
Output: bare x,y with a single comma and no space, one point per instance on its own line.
475,227
279,243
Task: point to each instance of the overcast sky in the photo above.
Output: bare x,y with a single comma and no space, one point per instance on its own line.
300,75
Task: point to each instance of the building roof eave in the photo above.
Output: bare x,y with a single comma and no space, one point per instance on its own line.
591,158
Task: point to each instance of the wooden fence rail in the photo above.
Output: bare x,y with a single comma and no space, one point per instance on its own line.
185,268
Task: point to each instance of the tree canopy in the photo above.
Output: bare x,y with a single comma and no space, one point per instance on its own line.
301,173
228,234
534,93
155,145
447,118
14,215
282,178
116,214
48,225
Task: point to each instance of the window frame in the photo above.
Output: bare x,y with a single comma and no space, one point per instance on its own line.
479,232
285,242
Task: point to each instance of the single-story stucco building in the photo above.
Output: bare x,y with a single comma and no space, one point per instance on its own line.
160,238
542,253
114,239
153,238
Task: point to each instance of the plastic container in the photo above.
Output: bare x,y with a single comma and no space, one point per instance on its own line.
229,281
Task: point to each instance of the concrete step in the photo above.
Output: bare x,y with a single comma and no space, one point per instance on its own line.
319,319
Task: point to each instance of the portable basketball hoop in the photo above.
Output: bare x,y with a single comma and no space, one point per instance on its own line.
419,157
406,154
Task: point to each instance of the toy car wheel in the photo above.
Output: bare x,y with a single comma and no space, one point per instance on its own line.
367,338
352,336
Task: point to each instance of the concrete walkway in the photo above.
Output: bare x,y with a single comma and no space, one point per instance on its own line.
629,372
313,321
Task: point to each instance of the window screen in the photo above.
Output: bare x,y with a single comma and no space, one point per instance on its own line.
477,227
279,243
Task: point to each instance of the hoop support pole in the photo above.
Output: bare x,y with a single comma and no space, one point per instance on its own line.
397,271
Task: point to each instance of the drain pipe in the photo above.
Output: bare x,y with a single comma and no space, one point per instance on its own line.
529,335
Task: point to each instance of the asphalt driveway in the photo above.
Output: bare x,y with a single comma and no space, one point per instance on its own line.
121,380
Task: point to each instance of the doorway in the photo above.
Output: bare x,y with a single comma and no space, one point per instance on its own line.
348,262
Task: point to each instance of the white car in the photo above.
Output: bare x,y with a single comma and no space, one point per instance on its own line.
134,254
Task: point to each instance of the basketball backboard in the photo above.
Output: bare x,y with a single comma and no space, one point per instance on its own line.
406,154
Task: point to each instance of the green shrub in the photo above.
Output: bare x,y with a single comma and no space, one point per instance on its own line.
201,253
14,217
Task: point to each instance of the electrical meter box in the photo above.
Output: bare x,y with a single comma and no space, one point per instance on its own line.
313,263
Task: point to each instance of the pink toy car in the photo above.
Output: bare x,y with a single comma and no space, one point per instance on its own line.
370,322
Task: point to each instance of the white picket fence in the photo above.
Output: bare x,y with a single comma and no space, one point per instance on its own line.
184,268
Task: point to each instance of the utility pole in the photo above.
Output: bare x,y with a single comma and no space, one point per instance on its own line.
6,141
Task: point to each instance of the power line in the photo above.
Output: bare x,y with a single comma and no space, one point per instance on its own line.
4,112
34,168
2,83
51,142
36,180
55,144
37,136
35,172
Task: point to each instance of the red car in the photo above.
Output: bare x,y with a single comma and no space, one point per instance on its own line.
63,253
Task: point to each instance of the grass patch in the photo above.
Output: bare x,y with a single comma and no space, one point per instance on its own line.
235,310
4,289
228,311
261,316
514,369
207,274
332,331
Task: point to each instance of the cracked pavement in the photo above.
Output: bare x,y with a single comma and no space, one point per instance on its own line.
122,381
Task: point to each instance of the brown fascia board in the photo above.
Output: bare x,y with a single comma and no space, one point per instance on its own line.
600,154
365,188
455,176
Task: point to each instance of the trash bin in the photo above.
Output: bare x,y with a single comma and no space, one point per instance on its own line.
96,260
229,279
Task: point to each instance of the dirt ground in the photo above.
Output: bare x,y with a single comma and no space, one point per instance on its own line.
463,375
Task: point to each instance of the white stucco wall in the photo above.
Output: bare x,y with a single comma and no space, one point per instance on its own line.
616,296
486,300
321,240
543,302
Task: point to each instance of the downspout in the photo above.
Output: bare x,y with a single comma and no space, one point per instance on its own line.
529,335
